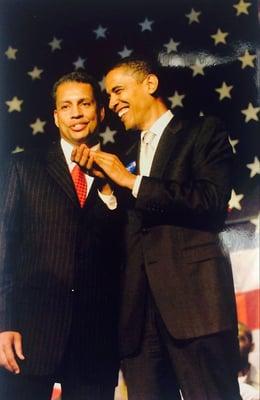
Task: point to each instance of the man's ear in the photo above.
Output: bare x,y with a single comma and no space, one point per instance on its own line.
152,83
55,118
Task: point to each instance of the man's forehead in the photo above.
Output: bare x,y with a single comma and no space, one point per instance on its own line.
75,84
123,72
73,89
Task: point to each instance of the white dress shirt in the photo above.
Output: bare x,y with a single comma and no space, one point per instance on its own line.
145,163
109,200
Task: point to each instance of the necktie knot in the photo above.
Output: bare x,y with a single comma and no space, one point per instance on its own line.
80,184
148,137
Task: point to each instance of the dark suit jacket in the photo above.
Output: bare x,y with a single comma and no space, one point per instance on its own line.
172,237
58,265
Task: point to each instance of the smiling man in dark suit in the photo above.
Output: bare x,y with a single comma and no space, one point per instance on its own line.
178,327
59,262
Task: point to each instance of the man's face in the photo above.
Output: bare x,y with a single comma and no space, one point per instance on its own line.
129,97
76,115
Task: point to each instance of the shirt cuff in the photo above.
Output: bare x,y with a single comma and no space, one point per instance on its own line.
109,199
136,186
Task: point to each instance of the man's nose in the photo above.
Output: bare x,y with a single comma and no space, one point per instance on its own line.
112,102
76,111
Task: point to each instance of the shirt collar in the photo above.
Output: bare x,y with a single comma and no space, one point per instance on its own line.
67,149
160,124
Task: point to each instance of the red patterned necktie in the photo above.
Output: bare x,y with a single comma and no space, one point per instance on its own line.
80,183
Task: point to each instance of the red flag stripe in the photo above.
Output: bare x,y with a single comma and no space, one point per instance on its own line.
248,308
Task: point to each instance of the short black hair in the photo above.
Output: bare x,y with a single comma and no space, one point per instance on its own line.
80,77
140,66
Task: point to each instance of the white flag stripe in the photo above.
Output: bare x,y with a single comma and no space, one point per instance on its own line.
245,266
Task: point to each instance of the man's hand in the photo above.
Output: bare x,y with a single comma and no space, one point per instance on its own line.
114,168
82,155
111,166
10,348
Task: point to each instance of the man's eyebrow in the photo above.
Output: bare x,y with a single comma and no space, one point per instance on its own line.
86,98
113,90
116,87
79,100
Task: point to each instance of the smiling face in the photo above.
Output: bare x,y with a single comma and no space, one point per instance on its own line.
76,115
130,96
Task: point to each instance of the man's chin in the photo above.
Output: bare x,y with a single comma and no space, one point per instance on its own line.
128,126
82,137
78,141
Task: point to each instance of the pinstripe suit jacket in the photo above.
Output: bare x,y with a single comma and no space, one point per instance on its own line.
58,265
172,237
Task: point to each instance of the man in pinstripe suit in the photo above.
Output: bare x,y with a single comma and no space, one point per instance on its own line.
59,264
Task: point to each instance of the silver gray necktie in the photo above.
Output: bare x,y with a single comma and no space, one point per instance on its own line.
146,153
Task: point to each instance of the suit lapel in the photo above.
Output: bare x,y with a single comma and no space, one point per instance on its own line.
131,155
138,157
58,169
164,149
91,194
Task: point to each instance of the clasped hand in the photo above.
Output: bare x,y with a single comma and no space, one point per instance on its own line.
102,164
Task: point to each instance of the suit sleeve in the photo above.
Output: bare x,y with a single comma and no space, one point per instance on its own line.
199,197
9,241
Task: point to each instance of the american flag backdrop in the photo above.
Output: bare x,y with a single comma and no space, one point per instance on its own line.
209,50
